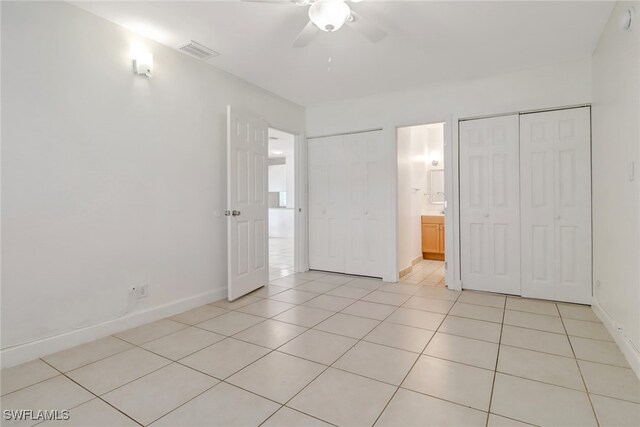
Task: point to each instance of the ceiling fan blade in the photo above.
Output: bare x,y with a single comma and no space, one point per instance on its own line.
366,28
308,32
268,1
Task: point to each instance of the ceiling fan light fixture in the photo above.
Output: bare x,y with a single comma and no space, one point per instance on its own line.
329,15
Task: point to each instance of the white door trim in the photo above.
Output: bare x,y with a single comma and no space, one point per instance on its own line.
451,212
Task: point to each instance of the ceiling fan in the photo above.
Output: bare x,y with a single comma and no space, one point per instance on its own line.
329,16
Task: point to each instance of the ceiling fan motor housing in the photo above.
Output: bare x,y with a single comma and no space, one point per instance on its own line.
329,15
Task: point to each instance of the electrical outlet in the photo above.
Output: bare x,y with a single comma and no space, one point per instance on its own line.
143,291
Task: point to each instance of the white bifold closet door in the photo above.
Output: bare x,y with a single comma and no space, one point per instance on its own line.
327,199
347,209
365,204
556,205
489,204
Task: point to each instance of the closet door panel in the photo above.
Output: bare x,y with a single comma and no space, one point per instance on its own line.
474,212
572,154
365,205
489,204
326,198
556,154
537,206
505,204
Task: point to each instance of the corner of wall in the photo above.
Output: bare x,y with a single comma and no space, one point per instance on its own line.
631,353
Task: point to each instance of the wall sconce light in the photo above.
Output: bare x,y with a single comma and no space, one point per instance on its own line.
142,61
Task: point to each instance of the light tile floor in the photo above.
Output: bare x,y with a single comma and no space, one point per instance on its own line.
316,349
281,253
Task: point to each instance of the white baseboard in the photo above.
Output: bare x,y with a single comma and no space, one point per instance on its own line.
628,349
25,352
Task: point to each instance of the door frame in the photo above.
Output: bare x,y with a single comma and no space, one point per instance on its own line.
451,210
300,217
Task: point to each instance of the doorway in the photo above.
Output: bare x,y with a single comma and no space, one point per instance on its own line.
421,204
281,184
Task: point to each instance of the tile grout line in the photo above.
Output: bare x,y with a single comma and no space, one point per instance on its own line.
414,294
586,389
331,365
226,336
94,394
495,371
220,381
170,362
414,364
402,306
73,369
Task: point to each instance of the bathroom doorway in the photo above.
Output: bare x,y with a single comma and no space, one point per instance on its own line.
421,204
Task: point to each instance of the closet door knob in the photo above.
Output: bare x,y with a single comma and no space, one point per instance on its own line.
486,215
558,217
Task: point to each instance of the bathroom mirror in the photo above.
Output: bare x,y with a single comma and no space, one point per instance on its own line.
436,194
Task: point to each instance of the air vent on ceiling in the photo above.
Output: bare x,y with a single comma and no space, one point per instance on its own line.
198,51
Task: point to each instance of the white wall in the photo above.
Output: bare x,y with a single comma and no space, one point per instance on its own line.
563,84
616,199
281,223
109,179
434,151
277,178
408,224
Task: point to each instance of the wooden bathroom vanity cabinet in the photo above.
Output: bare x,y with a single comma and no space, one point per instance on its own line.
433,237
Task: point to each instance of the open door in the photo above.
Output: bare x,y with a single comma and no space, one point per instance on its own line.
247,227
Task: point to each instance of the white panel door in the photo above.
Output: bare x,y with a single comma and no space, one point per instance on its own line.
365,205
489,204
247,228
326,203
556,205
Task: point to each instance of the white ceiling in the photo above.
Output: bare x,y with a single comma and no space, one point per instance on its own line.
427,42
284,143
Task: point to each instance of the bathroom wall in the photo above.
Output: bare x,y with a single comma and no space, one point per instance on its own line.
434,151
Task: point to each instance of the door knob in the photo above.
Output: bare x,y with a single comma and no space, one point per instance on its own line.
558,217
235,213
486,215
